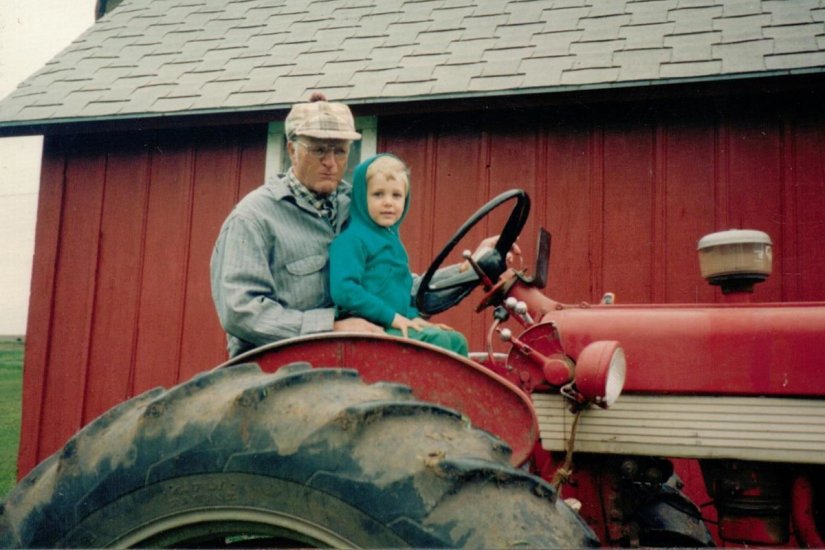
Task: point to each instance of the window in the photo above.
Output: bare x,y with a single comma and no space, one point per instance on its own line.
277,159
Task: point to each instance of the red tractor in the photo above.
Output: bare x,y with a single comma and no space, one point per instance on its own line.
574,437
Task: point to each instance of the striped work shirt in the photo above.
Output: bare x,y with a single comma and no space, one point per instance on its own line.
270,267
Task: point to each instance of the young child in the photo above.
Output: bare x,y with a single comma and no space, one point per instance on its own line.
369,269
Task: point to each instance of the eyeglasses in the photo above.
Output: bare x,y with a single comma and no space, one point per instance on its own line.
320,151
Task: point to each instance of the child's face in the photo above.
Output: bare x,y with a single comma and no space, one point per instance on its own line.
386,194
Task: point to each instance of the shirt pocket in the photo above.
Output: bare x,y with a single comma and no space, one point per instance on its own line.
308,285
306,266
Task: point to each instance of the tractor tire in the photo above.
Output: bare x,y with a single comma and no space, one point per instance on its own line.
301,457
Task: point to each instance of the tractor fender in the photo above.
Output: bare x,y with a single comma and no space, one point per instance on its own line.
489,401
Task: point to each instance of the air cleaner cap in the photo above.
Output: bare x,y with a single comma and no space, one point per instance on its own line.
735,253
734,236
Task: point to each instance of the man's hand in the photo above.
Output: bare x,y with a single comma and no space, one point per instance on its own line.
356,324
487,244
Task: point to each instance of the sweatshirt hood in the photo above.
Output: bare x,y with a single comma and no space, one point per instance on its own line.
359,211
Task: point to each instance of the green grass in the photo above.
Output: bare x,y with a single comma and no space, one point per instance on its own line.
11,388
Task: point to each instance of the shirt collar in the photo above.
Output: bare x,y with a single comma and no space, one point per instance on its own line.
326,205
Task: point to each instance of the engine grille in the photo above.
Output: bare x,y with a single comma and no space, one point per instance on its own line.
748,428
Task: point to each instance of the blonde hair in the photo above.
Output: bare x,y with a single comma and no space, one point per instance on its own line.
389,166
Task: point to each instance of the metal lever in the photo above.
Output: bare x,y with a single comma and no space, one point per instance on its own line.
519,308
485,280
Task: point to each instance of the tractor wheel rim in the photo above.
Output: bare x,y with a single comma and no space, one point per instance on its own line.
240,523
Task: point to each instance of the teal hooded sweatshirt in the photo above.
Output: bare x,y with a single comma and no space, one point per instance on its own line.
370,271
369,267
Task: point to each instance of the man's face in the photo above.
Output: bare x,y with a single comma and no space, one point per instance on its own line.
319,164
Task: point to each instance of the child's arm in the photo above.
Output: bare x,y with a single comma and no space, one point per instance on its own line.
347,261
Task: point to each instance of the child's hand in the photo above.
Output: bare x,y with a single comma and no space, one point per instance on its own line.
403,324
426,324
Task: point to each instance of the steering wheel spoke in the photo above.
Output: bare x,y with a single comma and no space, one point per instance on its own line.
434,297
453,281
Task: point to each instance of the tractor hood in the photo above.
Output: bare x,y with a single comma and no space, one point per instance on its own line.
743,349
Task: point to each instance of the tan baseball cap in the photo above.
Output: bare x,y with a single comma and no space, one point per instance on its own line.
321,119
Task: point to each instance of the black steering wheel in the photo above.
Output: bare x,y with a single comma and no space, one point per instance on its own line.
433,298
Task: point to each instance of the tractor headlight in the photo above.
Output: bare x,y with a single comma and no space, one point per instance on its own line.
600,372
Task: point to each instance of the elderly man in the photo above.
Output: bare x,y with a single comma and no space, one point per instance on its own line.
270,268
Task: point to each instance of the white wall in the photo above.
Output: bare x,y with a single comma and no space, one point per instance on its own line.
31,33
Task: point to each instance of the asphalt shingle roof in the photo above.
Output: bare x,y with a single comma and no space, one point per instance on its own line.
157,57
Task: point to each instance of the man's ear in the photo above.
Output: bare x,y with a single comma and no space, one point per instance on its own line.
291,150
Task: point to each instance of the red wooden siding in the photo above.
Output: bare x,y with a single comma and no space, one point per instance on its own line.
120,293
627,195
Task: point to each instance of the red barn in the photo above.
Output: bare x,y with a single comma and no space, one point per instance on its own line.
636,126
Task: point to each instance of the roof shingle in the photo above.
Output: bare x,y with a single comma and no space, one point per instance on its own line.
155,57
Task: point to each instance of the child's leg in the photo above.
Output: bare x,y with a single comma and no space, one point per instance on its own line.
451,340
448,339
